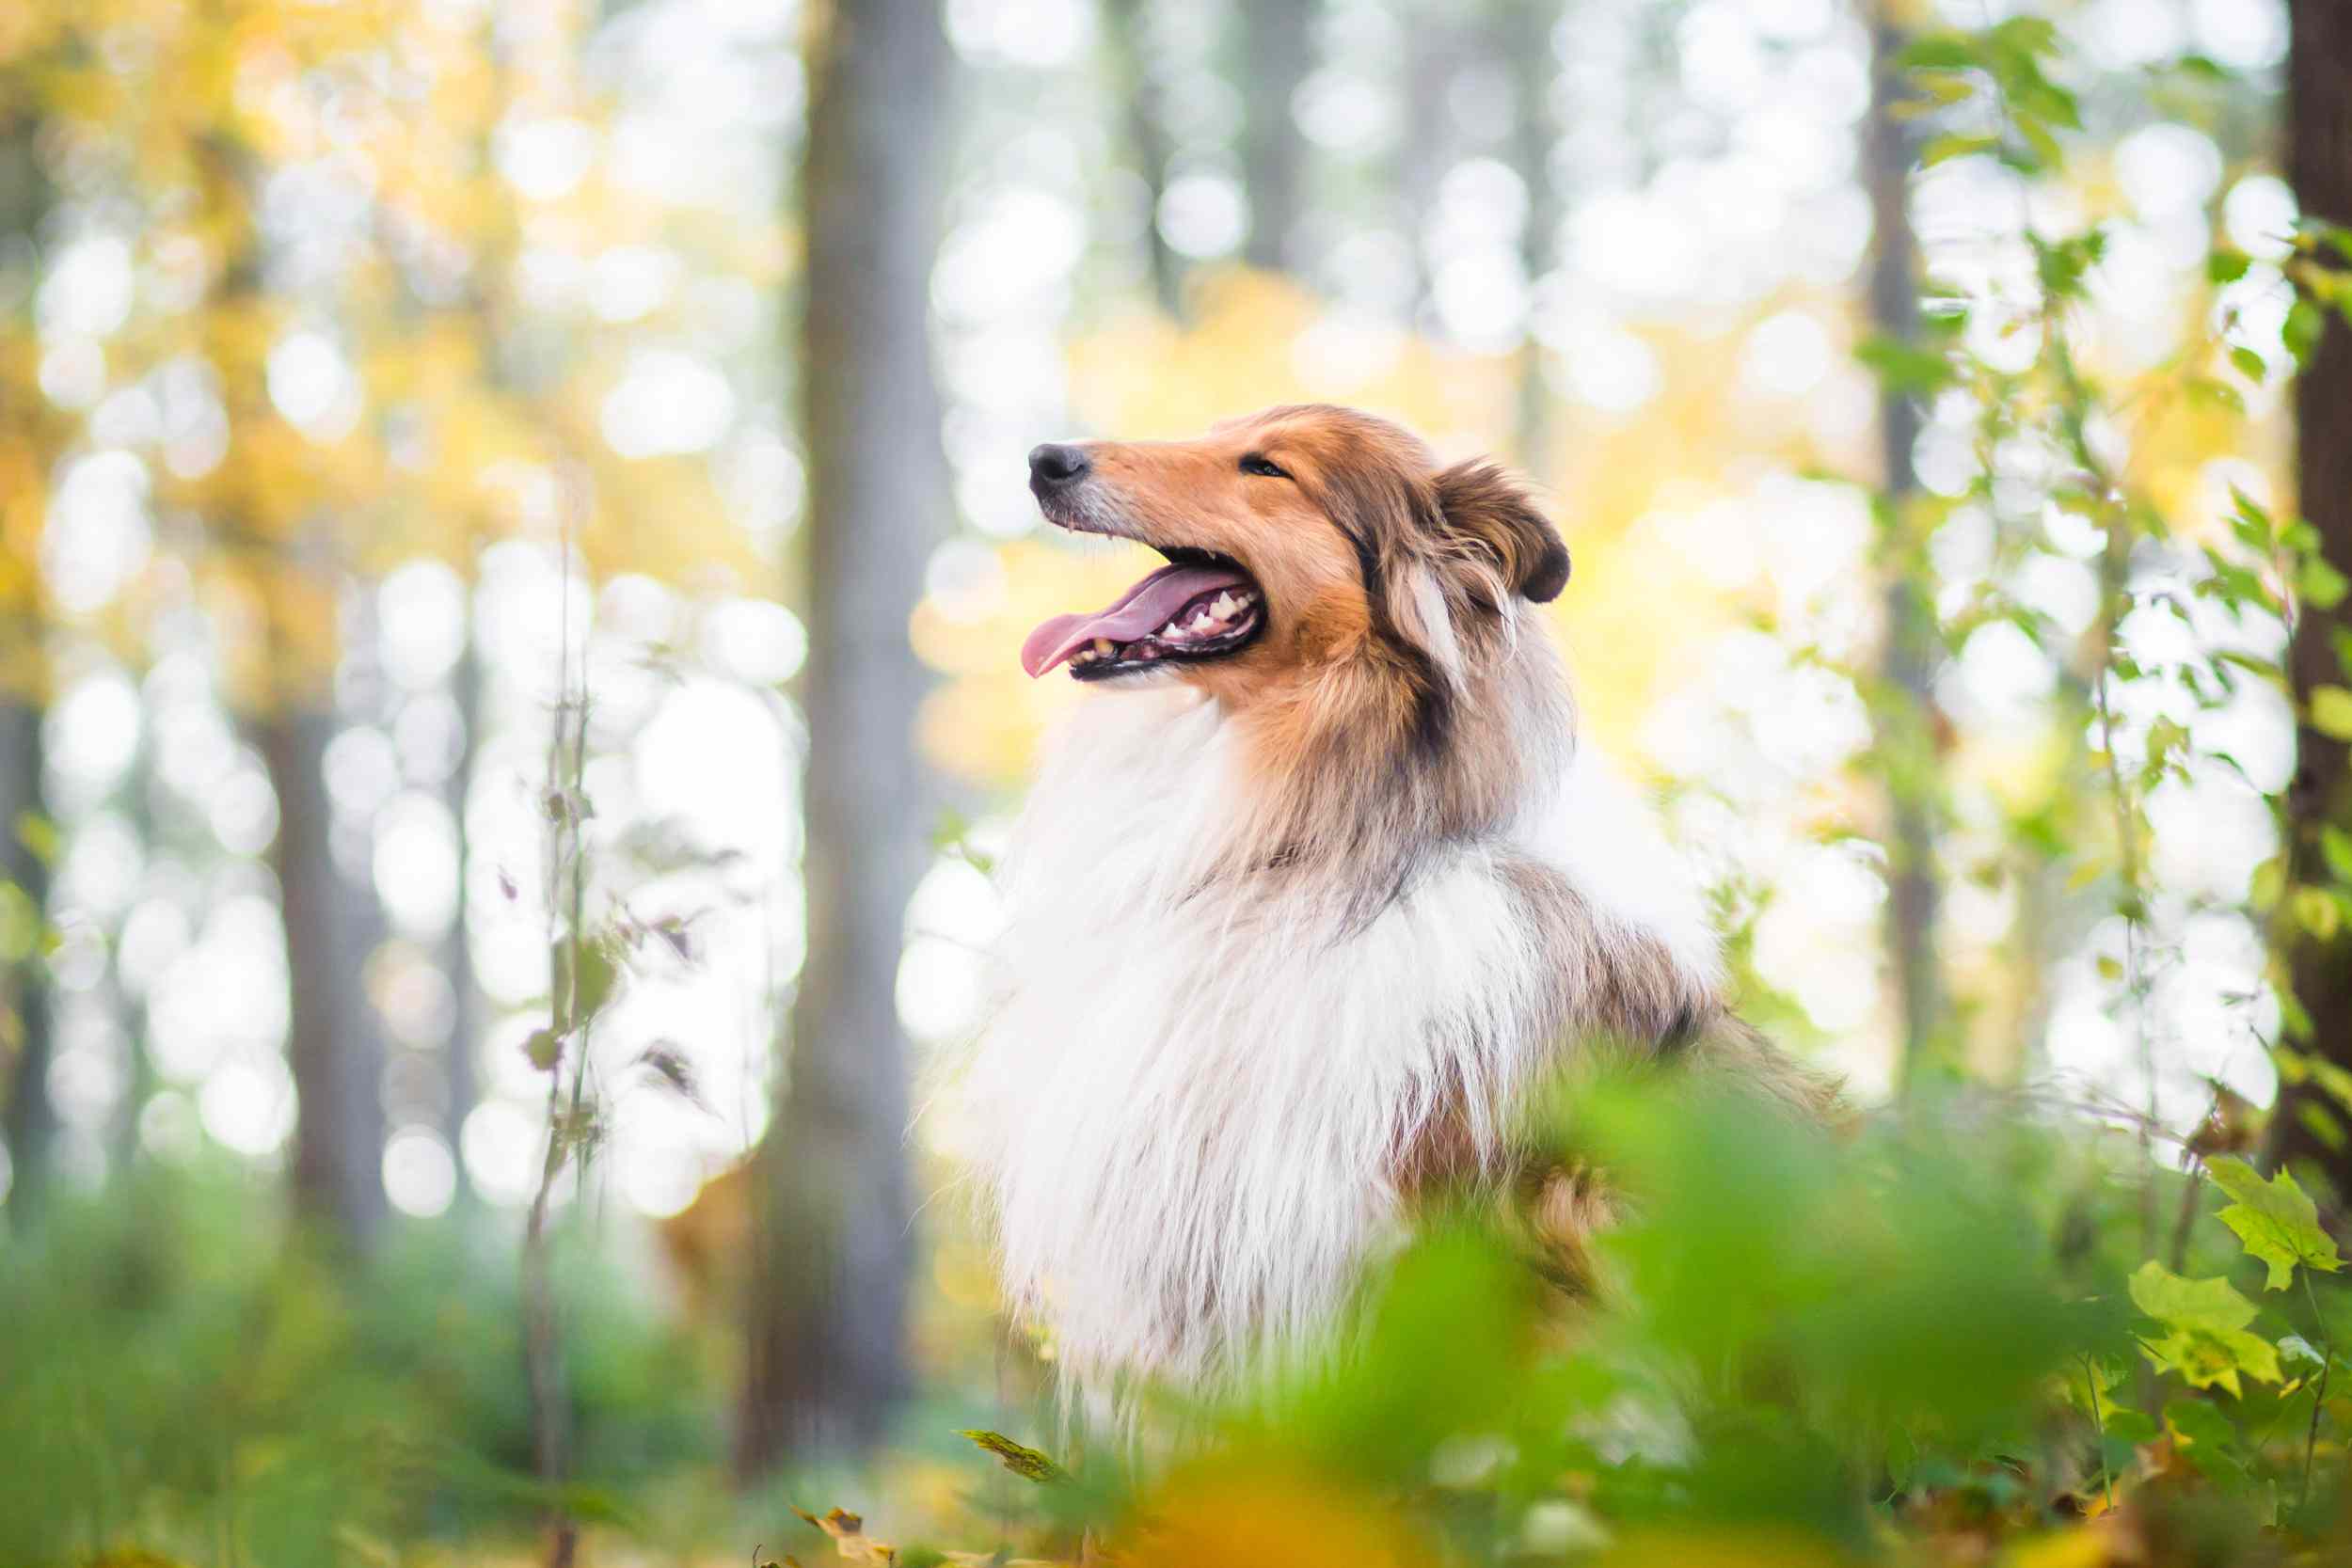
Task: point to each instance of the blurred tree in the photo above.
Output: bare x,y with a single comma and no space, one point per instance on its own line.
828,1298
1432,139
333,1044
1526,31
460,1085
1127,23
1278,47
25,441
270,520
1905,750
2319,165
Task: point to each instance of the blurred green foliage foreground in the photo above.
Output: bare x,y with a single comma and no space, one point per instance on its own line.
1939,1340
173,1376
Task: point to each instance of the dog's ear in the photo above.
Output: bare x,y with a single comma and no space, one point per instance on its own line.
1481,503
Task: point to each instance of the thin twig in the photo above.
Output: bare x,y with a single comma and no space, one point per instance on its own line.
2099,1426
543,1339
2319,1397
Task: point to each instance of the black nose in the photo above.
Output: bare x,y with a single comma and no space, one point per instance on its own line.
1055,463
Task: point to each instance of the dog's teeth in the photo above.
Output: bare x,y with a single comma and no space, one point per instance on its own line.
1101,647
1171,630
1224,606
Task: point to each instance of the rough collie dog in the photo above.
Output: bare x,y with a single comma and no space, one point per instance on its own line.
1309,897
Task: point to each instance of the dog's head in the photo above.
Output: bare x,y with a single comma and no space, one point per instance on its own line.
1298,540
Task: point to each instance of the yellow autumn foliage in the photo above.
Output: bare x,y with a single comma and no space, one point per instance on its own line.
444,444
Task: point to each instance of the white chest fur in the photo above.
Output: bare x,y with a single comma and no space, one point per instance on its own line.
1190,1099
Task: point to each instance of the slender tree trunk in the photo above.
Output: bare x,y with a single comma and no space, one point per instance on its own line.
27,1117
828,1301
2310,1122
1279,47
139,1010
1906,743
31,1123
1148,140
1432,138
333,1044
460,1089
1535,71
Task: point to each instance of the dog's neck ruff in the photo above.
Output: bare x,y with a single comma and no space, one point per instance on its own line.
1193,1100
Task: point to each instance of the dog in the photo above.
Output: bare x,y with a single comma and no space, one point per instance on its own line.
1309,899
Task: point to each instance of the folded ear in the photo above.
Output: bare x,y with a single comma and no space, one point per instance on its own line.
1481,503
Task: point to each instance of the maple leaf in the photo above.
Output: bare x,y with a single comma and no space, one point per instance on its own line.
2205,1340
2275,1220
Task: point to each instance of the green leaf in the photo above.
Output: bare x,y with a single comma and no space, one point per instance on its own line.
40,837
2331,711
2227,266
1026,1463
579,1002
2046,154
2181,1302
1939,52
2205,1436
2334,1080
2305,325
2335,846
2221,394
2316,912
2275,1219
2321,1123
2251,511
2205,1340
2322,586
2024,37
1903,367
2165,737
1945,87
21,926
2250,364
1943,148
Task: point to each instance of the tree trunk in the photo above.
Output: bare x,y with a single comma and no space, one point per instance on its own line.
2310,1122
1278,49
1431,143
332,1044
31,1123
833,1250
139,1010
460,1089
28,1120
1148,140
1906,745
1534,69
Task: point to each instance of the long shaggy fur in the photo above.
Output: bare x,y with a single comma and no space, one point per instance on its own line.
1289,942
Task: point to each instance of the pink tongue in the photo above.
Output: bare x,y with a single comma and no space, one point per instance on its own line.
1145,607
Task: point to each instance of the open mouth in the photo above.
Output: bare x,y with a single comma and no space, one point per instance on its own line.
1198,606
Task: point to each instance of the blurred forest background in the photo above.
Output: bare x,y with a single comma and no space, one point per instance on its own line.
512,543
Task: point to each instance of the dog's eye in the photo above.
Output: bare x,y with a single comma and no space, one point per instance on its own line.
1258,463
